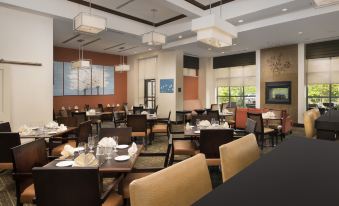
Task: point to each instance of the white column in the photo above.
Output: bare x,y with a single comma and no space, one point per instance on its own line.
301,83
257,75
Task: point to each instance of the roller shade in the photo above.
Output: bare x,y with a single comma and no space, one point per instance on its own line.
322,49
323,71
236,76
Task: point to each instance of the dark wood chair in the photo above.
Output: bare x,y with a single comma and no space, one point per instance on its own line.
5,127
209,142
8,140
119,118
73,186
100,107
84,131
260,130
68,121
138,123
63,113
137,110
250,128
87,107
81,116
25,157
215,107
124,134
107,117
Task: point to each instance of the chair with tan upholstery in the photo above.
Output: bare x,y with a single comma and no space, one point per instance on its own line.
8,140
181,184
237,155
215,107
138,122
161,127
25,157
73,186
316,113
309,121
260,130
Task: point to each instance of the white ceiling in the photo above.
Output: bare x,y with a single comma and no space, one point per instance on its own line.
207,2
265,24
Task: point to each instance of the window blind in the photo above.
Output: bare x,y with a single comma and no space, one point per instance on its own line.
236,76
323,71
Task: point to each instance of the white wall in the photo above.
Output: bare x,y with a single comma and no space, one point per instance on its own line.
257,76
207,92
166,69
27,37
301,83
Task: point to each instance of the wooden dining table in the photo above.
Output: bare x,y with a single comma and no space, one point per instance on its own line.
48,133
111,165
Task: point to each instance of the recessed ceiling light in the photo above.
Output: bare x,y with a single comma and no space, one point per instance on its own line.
240,20
284,9
300,32
209,49
180,37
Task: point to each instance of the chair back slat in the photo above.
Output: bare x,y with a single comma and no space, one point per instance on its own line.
81,116
257,117
85,130
214,114
8,140
137,122
124,134
67,186
211,139
250,126
5,127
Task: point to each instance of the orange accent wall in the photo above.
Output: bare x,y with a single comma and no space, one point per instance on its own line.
120,80
190,88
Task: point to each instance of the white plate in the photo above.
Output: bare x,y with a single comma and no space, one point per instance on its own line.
122,158
34,128
122,146
66,163
79,149
52,132
197,132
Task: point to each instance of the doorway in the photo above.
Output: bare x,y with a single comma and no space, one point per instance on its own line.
149,93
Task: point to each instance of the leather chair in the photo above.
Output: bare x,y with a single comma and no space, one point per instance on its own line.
5,127
25,157
138,123
84,131
309,121
8,140
261,131
209,142
68,121
237,155
81,116
119,118
124,134
72,186
181,184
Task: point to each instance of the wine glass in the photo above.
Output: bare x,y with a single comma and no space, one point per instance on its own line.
116,140
91,143
197,122
108,152
81,147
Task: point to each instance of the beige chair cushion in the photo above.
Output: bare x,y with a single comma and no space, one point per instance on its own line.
128,179
141,134
28,194
173,185
268,130
237,155
184,147
6,166
159,128
56,151
114,199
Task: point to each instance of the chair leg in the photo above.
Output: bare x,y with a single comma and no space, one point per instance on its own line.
167,155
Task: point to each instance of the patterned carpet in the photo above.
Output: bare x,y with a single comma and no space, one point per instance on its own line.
7,187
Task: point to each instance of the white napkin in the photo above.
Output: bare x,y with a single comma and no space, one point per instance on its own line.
25,130
91,111
118,105
85,160
133,149
67,151
188,127
144,112
52,125
63,108
107,142
108,105
62,128
204,123
225,125
76,107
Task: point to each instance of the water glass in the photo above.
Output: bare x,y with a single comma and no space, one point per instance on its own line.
116,140
91,143
197,122
82,147
108,153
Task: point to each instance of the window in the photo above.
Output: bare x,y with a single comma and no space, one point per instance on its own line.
322,81
98,80
236,84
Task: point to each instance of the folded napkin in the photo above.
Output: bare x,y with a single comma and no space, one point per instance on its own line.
268,114
107,142
133,149
52,125
225,125
61,128
63,108
204,123
91,111
226,111
25,130
67,151
108,105
144,112
76,107
118,105
188,126
85,160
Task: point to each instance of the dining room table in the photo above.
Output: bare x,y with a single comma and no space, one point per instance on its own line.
300,171
110,165
42,132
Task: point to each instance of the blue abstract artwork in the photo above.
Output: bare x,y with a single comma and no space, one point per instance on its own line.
166,85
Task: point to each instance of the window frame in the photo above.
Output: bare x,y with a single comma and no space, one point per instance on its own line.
243,96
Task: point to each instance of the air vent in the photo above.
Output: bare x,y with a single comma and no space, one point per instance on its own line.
70,39
111,47
322,3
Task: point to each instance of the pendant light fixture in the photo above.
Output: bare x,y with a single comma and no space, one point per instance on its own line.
81,63
122,67
153,38
213,30
88,23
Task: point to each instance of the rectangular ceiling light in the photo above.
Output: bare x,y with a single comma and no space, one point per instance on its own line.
321,3
81,64
153,38
88,23
214,31
122,68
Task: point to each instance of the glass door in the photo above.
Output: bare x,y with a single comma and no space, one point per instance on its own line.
149,95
